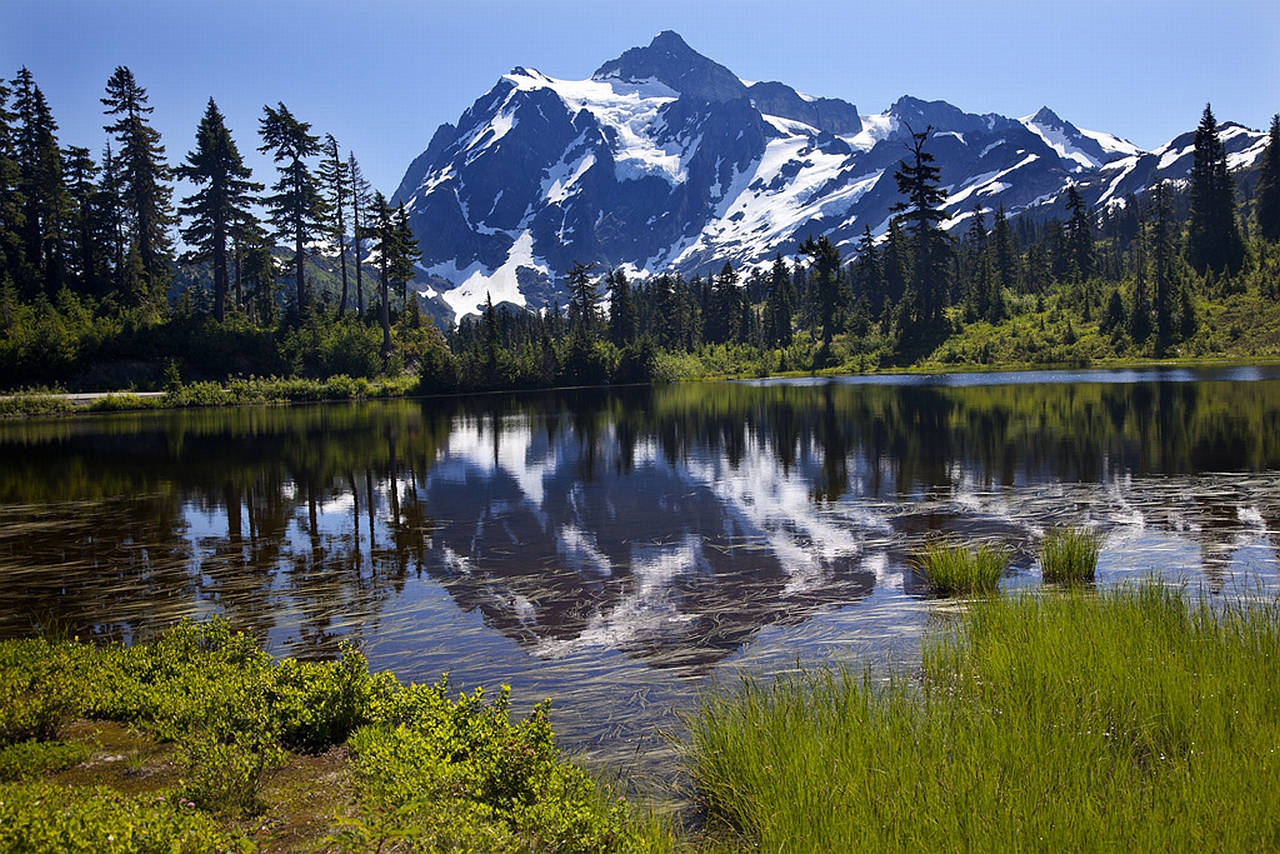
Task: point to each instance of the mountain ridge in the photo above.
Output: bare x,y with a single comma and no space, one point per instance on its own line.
664,160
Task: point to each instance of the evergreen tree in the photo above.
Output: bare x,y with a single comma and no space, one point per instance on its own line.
144,185
1078,235
87,243
335,177
296,206
724,313
360,201
976,266
1168,283
397,251
1213,235
1268,209
922,212
622,310
46,206
1004,257
583,297
12,219
824,284
222,205
779,305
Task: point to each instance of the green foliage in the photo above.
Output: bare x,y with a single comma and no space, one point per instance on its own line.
40,818
1070,555
951,568
29,760
1068,723
43,687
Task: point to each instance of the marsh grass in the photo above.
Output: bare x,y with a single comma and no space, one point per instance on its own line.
952,568
1127,719
1070,556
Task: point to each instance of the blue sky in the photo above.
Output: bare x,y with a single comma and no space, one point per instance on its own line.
382,75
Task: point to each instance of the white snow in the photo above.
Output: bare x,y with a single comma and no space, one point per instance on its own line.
479,282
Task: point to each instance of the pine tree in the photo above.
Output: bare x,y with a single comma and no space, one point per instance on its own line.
824,285
222,206
87,263
1213,235
583,297
144,185
46,205
296,205
1268,209
622,310
1078,234
397,251
335,177
12,219
360,201
1004,258
929,282
779,305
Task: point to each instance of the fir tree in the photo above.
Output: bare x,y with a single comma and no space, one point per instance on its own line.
296,206
779,305
87,242
335,177
222,205
1268,210
622,310
46,206
1078,235
12,219
144,185
824,285
1213,236
360,201
583,297
922,212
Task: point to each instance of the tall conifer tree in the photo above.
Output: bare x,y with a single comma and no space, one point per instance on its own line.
335,177
144,186
222,206
922,213
296,205
1213,235
1269,185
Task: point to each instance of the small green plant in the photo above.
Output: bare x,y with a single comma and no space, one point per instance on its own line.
29,760
1070,555
957,568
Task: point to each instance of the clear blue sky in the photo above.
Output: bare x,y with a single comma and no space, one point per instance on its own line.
382,75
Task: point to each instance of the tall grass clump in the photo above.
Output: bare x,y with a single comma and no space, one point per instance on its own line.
1075,722
952,568
1070,555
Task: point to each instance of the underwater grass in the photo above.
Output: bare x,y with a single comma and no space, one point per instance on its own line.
952,568
1128,719
1070,555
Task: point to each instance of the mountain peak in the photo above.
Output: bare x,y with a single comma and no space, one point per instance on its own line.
1047,118
669,59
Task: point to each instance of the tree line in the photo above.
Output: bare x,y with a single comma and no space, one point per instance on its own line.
273,279
91,269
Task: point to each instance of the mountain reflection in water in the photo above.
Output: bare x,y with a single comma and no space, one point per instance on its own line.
616,548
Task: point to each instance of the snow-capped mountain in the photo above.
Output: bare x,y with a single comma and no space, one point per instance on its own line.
666,161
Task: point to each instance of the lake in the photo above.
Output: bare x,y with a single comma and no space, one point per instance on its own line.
622,550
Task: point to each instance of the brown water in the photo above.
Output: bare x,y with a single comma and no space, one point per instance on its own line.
621,550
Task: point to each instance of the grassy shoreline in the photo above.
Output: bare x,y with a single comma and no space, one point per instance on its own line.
1064,720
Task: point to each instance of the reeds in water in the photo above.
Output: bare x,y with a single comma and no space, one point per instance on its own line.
1070,556
952,568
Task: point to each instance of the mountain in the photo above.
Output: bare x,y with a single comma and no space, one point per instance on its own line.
664,160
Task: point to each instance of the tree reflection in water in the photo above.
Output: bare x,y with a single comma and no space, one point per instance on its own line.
673,528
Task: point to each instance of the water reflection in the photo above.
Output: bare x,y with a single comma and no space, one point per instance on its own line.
612,548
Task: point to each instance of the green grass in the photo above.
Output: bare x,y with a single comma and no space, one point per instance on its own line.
1078,722
952,568
1070,556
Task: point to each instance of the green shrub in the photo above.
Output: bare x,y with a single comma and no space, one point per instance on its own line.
1070,556
45,819
958,568
29,760
42,688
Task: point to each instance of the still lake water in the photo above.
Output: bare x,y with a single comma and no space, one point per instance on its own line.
621,550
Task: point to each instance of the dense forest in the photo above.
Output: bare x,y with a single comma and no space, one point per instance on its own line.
108,282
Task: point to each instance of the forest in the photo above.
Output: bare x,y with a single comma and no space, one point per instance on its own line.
107,282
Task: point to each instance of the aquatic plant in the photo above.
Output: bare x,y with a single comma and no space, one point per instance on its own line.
1070,555
952,568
